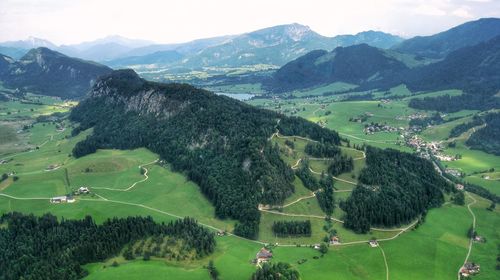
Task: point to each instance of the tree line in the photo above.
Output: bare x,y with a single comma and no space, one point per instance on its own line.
487,139
292,228
45,248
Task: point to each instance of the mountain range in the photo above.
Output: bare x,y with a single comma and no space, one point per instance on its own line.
466,63
439,45
48,72
274,45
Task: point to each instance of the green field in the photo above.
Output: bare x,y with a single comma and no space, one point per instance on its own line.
435,250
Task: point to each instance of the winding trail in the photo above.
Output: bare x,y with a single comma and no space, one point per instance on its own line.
135,183
471,240
336,178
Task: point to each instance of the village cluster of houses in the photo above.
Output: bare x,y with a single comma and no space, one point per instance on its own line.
376,127
453,172
469,269
69,198
416,115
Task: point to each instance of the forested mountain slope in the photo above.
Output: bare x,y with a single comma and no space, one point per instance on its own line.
357,64
48,72
220,143
439,45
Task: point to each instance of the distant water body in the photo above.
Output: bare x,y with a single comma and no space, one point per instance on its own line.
238,96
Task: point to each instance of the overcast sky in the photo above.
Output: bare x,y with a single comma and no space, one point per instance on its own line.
168,21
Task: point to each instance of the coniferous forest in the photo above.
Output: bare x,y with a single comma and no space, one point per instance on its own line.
276,271
292,228
326,198
46,248
395,188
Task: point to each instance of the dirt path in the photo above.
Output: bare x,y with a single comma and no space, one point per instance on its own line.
471,241
135,183
300,199
336,178
367,140
385,261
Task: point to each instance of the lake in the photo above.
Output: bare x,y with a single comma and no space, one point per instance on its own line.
238,96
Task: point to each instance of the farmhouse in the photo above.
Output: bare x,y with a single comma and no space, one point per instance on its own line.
83,190
263,256
373,243
59,199
335,240
469,269
62,199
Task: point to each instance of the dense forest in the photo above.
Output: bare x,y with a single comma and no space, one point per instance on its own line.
219,143
326,198
292,228
276,271
306,176
321,150
395,188
476,100
487,138
340,164
45,248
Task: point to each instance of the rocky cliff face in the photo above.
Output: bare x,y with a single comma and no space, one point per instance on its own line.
125,88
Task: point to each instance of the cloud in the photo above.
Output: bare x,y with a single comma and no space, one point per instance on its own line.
462,12
429,10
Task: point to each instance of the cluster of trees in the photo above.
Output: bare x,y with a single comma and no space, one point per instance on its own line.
290,144
395,188
276,271
326,198
45,248
322,150
288,228
306,176
477,100
487,138
481,191
461,128
218,142
339,164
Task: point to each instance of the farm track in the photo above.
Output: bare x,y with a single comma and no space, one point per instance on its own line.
471,240
385,261
135,183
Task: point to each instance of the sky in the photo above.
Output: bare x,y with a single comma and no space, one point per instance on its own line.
172,21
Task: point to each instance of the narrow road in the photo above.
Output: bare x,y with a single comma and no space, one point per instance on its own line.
24,198
368,140
471,241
